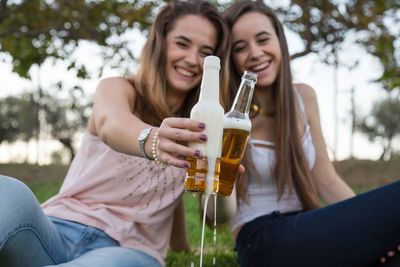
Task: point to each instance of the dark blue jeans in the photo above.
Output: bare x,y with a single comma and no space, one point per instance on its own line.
355,232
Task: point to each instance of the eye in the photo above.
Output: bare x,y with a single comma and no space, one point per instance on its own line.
263,40
239,48
205,53
182,44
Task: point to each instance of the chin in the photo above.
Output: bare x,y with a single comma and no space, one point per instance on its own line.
264,84
183,88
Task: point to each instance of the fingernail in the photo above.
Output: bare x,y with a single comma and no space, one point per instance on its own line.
202,125
203,137
197,153
186,165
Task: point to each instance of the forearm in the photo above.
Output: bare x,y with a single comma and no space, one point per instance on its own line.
112,118
335,191
120,131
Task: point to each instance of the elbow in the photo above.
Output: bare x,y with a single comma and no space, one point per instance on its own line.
103,128
227,209
226,215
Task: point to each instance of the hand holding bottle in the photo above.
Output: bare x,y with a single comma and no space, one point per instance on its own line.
171,140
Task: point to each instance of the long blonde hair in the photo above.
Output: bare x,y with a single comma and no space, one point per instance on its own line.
150,82
291,168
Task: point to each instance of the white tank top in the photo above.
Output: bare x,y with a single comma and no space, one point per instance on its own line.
262,193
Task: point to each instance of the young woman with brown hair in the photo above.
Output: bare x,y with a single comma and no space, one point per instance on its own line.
121,201
275,213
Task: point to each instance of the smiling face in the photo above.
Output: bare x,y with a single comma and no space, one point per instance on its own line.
191,39
256,47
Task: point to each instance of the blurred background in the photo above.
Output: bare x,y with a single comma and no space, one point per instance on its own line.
54,52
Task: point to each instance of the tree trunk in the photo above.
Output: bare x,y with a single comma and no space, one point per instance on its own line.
67,142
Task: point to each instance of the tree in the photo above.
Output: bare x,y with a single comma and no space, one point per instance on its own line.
33,30
324,25
383,123
17,118
67,116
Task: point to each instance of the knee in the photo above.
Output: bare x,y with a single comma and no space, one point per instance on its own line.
15,197
12,188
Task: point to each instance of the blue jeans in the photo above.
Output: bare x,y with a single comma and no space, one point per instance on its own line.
30,238
355,232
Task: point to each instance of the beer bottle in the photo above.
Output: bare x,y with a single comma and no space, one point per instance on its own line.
237,126
203,173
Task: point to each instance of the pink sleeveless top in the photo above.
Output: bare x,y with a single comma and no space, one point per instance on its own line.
130,198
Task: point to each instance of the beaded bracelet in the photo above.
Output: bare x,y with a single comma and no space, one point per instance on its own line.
154,147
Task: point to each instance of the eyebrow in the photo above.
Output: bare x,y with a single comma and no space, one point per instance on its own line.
257,35
190,41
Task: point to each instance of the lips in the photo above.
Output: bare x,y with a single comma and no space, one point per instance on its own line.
260,67
185,72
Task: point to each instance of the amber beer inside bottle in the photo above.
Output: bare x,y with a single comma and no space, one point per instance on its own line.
195,175
233,146
237,126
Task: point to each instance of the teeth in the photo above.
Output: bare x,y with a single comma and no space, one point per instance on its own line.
260,67
185,72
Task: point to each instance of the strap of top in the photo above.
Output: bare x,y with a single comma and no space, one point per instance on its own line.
301,106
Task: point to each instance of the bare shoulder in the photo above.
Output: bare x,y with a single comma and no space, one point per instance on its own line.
310,101
115,82
307,93
116,86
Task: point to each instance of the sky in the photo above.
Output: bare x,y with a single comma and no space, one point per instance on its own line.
306,69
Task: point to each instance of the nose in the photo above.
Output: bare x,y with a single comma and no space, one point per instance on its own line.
255,51
192,57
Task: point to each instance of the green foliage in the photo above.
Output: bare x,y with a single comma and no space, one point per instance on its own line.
35,30
31,31
324,25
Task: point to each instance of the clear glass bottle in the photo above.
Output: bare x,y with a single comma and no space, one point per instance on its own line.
237,126
203,173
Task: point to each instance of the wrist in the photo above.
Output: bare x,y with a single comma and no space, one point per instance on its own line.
143,139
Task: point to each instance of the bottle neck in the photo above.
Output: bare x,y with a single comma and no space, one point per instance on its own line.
209,89
244,96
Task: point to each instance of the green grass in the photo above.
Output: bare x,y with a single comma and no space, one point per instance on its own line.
223,250
43,190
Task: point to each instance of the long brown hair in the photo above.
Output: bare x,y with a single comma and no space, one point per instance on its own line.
150,82
291,169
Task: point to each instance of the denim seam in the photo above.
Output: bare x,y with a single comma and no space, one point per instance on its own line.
79,244
33,230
